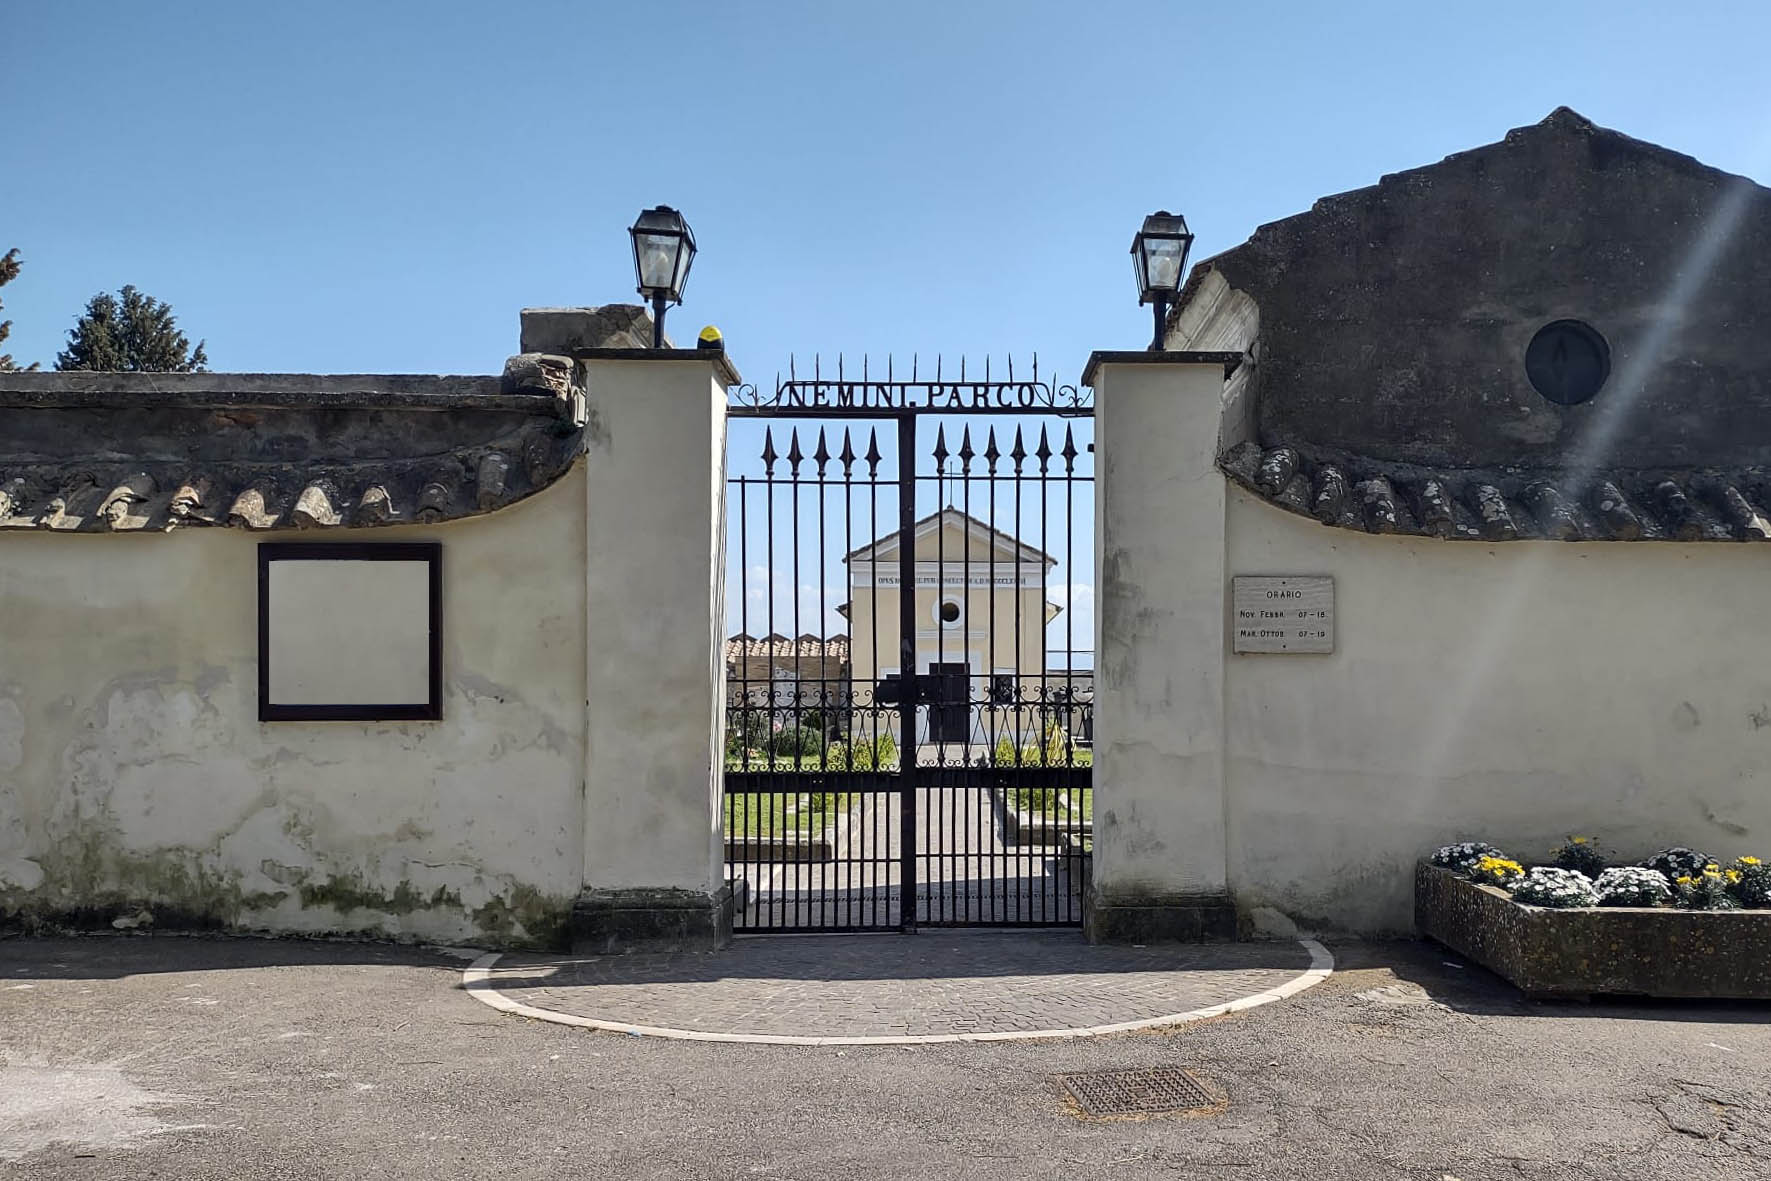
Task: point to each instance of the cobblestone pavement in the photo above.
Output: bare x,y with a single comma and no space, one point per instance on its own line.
900,985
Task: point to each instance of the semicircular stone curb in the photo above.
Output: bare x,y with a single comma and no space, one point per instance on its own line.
477,980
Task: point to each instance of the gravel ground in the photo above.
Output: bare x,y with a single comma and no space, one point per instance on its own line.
159,1056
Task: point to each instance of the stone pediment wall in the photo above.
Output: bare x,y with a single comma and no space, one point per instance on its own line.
131,452
1386,329
1353,492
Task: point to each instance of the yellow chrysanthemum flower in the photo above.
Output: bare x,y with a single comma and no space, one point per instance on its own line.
1750,861
1498,867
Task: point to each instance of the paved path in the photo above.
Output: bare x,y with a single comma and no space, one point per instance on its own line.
945,985
966,873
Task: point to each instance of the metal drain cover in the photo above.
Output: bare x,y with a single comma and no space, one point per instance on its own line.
1137,1092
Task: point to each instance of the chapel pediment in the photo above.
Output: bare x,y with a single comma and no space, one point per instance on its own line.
953,536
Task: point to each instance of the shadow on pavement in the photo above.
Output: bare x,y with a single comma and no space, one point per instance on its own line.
1464,986
112,955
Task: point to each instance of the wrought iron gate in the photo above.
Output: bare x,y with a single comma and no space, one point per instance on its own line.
909,714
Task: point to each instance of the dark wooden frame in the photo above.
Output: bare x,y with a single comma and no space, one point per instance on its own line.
430,552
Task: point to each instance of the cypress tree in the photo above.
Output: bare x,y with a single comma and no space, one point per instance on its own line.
130,332
9,265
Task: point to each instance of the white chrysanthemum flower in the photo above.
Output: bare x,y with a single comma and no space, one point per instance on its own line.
1460,857
1632,885
1546,885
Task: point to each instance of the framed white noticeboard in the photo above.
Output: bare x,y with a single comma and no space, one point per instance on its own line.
349,631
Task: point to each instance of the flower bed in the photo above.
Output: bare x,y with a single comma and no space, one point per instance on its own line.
1678,925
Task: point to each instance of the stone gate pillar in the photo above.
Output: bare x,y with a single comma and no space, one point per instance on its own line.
1159,836
655,665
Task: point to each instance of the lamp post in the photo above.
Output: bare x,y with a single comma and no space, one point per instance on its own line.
1159,256
663,251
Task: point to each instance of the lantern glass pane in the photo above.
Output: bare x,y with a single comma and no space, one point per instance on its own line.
1163,258
685,256
655,257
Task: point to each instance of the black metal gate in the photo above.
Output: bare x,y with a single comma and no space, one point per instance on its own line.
910,685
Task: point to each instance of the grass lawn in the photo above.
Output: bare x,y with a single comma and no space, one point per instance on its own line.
1059,803
767,814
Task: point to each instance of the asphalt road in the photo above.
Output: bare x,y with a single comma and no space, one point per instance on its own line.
131,1057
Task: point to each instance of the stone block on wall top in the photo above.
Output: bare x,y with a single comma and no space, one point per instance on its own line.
561,331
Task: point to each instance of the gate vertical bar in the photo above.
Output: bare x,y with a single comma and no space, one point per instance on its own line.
1037,791
907,776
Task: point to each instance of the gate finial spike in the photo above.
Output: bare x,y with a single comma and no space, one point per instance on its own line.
941,454
817,366
986,368
1043,451
769,452
1011,367
839,366
848,454
991,454
965,451
962,366
1018,452
1069,452
794,454
873,455
792,367
822,455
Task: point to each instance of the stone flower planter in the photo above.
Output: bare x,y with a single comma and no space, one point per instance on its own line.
1638,951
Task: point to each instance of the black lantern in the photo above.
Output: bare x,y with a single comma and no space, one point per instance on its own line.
663,251
1159,256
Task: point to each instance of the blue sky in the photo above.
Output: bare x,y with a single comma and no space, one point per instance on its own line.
379,187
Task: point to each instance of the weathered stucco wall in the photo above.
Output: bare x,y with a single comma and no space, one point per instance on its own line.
1514,693
1158,751
134,772
656,617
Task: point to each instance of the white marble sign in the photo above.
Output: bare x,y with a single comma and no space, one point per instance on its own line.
1294,613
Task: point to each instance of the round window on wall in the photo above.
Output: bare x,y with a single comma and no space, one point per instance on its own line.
1567,362
950,613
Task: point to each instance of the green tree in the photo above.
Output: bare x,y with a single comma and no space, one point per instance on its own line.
130,332
9,265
